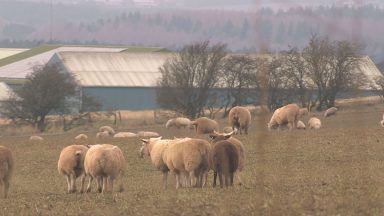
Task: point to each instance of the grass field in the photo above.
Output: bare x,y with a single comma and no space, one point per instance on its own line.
337,170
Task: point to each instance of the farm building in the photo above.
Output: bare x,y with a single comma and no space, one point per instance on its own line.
123,80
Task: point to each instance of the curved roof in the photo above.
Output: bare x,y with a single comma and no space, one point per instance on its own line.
114,69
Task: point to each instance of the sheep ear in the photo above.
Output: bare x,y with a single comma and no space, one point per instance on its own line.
88,146
212,136
144,140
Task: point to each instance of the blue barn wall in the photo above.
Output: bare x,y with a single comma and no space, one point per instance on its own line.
123,98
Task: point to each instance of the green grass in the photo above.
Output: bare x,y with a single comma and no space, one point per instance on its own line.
337,170
27,54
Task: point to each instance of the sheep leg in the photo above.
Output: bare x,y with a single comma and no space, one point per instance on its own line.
231,178
6,188
105,184
121,185
110,184
165,178
68,177
177,180
82,183
2,189
226,177
89,184
237,176
214,178
73,182
246,130
100,184
221,179
192,179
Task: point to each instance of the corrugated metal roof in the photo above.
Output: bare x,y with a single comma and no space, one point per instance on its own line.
370,70
5,91
5,52
115,69
22,68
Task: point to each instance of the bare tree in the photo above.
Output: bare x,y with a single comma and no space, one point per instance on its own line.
46,90
238,80
188,77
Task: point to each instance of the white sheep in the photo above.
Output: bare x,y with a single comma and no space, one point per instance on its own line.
36,138
102,135
110,130
300,125
178,123
189,157
286,115
147,134
330,111
205,125
105,163
124,135
314,123
239,118
81,137
6,169
71,164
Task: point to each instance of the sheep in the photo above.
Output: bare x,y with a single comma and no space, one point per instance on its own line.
6,169
303,112
81,137
239,118
330,111
107,128
285,115
225,161
216,137
147,134
300,125
178,123
71,164
105,163
36,138
227,129
205,125
102,135
382,123
314,123
124,135
190,157
154,147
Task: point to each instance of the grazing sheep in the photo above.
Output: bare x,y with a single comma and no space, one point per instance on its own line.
154,148
227,129
71,164
102,135
189,157
216,137
239,118
303,112
105,163
124,135
178,123
81,137
205,125
107,128
287,114
36,138
6,169
300,125
330,111
147,134
314,123
225,161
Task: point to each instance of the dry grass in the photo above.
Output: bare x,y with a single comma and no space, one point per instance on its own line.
336,170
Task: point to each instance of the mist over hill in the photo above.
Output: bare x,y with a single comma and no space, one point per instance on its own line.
272,25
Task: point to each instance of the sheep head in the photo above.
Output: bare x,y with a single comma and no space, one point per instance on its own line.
215,136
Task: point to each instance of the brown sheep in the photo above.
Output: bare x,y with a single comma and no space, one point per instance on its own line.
189,157
285,115
105,163
205,125
224,161
6,169
216,137
102,135
239,118
71,164
330,111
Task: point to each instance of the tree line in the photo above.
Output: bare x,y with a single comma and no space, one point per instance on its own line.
202,75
